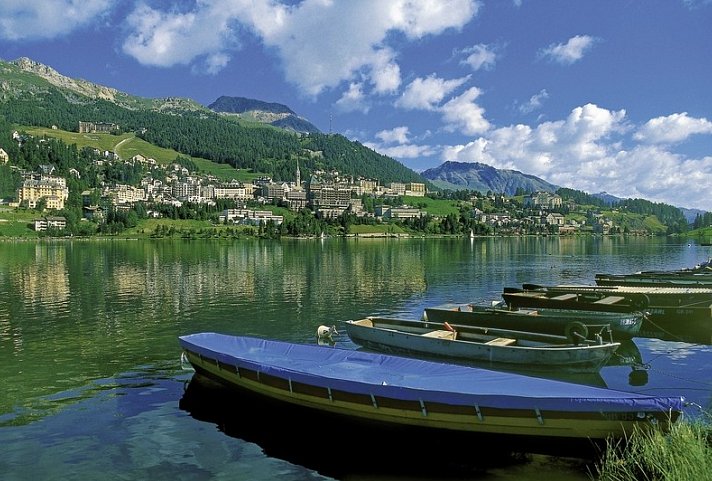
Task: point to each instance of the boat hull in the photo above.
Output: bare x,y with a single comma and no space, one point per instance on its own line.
345,383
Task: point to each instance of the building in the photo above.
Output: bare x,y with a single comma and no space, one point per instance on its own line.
273,191
543,199
234,191
555,219
329,196
398,188
296,199
50,222
403,212
97,127
54,189
126,194
4,158
249,217
415,189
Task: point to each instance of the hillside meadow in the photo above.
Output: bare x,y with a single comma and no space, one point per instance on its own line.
127,145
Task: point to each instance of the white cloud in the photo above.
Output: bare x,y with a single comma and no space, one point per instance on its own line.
463,114
404,151
353,99
397,135
320,43
569,52
397,143
385,73
584,151
40,19
672,128
165,39
480,56
535,102
427,93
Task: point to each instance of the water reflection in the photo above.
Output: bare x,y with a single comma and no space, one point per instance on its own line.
339,447
75,311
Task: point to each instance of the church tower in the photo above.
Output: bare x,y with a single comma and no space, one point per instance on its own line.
299,177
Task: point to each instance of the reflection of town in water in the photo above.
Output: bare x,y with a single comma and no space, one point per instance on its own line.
75,311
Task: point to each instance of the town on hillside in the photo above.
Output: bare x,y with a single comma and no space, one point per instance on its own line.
114,187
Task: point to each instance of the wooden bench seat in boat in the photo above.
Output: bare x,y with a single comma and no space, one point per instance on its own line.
565,297
609,300
441,334
501,341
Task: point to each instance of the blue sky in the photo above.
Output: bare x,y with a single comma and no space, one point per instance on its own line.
600,95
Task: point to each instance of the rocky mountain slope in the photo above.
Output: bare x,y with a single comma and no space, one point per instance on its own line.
271,113
483,178
24,75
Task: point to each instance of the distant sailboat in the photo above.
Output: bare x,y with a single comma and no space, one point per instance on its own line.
472,234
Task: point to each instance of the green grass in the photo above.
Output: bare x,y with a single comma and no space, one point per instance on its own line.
128,145
685,453
434,207
703,234
16,223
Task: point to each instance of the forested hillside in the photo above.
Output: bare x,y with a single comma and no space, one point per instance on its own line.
200,133
668,215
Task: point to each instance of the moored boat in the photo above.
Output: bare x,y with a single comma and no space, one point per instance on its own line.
623,325
656,279
399,391
668,303
672,313
495,347
697,276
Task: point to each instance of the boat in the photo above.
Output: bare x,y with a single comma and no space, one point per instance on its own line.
496,347
697,276
623,325
672,313
669,303
655,279
436,397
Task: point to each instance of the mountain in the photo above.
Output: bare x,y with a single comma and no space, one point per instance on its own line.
483,178
609,199
272,113
23,75
691,214
33,94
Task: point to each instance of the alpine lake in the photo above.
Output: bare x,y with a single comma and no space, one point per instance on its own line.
92,382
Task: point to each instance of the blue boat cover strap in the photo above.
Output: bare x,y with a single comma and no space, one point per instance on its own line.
414,379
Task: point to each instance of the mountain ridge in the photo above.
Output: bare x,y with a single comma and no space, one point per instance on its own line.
482,177
273,113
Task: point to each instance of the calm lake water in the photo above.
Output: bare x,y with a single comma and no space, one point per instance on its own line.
89,356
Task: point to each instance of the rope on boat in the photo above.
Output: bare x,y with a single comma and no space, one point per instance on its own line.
185,363
680,378
647,318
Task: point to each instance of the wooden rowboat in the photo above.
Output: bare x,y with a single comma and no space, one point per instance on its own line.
623,325
497,347
672,313
667,303
396,391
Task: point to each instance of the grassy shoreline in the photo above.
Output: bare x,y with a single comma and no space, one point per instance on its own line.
684,453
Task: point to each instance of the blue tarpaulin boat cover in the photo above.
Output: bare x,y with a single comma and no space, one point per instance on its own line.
414,379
